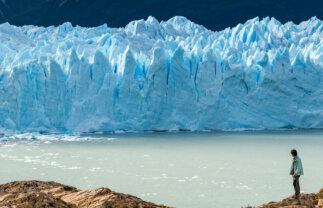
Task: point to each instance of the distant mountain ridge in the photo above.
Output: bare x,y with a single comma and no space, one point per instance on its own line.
213,14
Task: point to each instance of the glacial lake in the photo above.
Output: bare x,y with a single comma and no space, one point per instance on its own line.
184,170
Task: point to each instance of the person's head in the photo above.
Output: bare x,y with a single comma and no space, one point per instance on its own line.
293,152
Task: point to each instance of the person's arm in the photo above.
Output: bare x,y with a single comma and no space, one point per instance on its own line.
291,170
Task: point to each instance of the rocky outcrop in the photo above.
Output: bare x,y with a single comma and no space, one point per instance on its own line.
314,200
39,194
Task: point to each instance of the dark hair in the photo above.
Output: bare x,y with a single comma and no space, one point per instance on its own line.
293,152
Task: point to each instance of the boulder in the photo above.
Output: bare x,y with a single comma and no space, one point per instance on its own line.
313,200
39,194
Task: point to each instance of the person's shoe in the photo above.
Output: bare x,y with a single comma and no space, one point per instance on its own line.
296,202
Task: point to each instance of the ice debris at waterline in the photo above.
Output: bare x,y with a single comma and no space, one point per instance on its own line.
154,75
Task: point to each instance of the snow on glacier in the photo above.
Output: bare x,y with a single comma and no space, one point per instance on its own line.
154,75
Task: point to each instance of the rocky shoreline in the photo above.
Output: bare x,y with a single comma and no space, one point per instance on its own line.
39,194
313,200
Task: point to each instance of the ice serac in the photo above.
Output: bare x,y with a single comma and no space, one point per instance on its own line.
151,75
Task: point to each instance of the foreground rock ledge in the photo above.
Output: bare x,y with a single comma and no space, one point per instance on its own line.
36,194
314,200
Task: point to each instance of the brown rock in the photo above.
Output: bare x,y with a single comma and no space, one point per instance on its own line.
320,191
320,202
33,200
36,194
313,200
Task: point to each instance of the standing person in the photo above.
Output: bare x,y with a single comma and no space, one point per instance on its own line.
296,171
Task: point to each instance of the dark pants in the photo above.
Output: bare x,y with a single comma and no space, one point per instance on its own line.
296,186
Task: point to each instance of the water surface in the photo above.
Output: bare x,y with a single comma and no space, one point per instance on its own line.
185,170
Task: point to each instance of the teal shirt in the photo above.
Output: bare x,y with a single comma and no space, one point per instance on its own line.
298,168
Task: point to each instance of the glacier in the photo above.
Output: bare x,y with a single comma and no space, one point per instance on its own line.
161,76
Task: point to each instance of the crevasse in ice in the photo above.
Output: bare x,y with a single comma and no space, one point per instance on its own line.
154,75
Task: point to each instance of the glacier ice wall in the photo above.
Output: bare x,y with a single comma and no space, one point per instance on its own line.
154,75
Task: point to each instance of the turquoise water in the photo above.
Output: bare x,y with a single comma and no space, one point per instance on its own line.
185,170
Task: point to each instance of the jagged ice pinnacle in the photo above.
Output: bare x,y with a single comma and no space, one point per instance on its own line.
154,75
